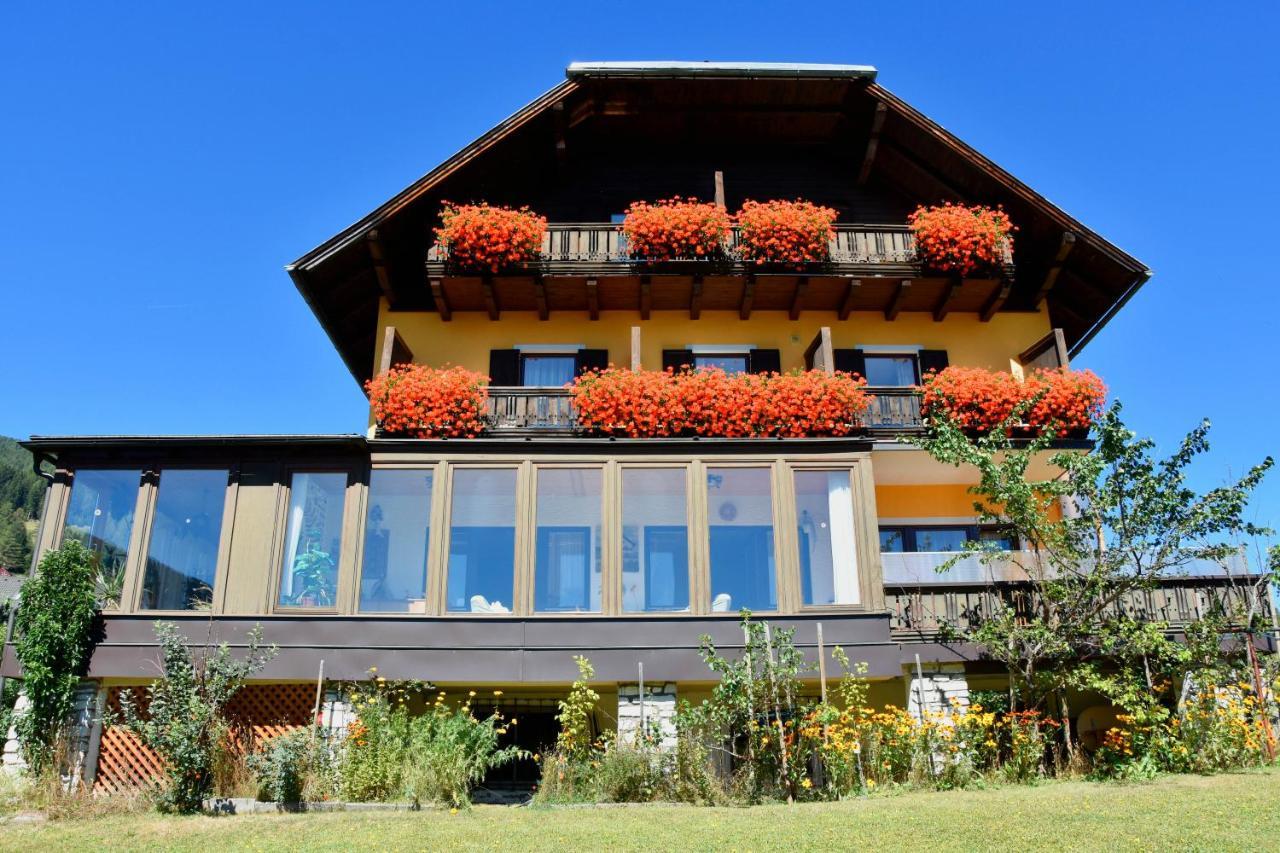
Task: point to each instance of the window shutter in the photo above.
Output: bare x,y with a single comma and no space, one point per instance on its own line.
590,359
676,358
850,361
504,367
932,359
764,361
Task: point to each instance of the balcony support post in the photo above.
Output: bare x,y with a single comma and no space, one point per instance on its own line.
635,347
820,355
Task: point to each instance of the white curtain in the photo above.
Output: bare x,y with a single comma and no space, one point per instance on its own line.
844,549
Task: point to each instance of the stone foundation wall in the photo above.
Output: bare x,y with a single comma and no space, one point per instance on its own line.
942,689
659,712
84,729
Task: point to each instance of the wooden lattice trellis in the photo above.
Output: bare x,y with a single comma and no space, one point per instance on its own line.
258,712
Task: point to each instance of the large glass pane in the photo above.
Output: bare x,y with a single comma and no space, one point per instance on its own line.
891,370
567,570
892,540
182,553
728,363
740,512
655,540
393,574
482,540
932,539
828,551
548,371
100,517
313,540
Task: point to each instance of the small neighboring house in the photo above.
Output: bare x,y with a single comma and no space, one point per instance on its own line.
490,562
10,584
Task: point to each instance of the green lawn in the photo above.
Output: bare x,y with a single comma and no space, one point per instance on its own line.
1231,812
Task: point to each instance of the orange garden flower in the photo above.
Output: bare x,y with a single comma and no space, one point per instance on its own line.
981,400
710,402
427,402
675,228
955,238
792,232
489,238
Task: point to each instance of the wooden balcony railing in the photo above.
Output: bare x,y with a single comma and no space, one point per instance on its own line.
586,244
550,411
922,601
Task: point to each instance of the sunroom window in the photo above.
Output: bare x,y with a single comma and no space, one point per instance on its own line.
740,521
313,540
393,572
655,540
482,541
182,554
567,570
825,537
100,517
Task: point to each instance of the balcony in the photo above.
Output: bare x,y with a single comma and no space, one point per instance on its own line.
921,599
586,266
549,411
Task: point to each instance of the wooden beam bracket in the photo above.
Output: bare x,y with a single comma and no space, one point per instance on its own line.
948,296
748,295
646,296
540,294
380,267
873,142
996,301
490,297
850,294
442,302
894,307
797,298
695,298
1055,268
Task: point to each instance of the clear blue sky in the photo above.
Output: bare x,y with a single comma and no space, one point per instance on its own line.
159,165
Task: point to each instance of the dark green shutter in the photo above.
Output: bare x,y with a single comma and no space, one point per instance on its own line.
764,361
932,359
504,368
850,361
590,359
677,358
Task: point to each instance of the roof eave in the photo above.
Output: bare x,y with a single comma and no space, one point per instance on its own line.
749,70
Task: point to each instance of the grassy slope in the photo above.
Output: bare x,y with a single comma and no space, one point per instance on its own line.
1231,812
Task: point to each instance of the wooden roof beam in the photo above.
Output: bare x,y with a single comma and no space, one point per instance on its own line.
748,296
593,299
894,308
646,296
695,298
996,301
490,297
380,267
442,303
797,298
850,294
873,142
561,125
1055,268
948,296
540,294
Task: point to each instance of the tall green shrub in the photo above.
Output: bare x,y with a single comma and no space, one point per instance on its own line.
182,719
53,626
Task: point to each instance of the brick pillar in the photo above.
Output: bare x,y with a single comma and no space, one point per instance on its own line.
659,712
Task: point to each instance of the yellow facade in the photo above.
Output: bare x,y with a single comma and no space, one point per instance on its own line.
468,337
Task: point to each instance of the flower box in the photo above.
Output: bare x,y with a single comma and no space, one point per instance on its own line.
785,232
676,229
417,401
483,238
979,401
959,240
710,402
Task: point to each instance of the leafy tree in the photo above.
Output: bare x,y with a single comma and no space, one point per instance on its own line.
53,628
15,543
182,718
1127,520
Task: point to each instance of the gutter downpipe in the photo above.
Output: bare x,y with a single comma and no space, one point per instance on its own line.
1139,280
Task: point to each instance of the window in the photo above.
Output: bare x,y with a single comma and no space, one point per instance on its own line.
655,540
999,539
547,371
313,540
567,568
728,363
482,541
941,539
182,554
740,521
893,540
890,371
100,517
397,527
828,550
